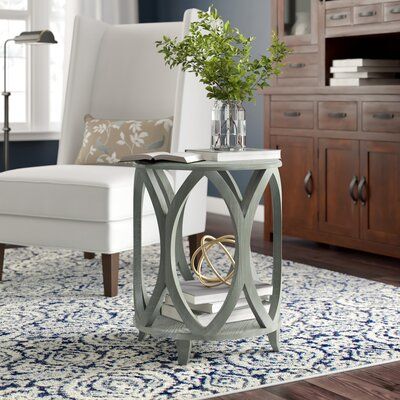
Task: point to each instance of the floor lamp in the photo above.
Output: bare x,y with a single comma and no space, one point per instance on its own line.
34,37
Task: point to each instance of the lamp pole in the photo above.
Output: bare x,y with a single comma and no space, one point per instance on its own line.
6,126
33,37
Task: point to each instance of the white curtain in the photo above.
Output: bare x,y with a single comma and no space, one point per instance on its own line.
110,11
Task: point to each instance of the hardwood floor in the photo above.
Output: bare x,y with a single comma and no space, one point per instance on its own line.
371,383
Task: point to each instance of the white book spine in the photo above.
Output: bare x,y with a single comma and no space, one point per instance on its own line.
211,308
360,62
366,69
239,314
358,75
213,295
245,155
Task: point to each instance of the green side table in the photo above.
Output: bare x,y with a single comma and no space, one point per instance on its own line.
169,207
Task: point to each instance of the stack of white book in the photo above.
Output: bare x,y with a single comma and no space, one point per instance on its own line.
365,72
206,302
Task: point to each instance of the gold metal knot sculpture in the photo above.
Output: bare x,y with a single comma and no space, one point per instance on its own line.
201,255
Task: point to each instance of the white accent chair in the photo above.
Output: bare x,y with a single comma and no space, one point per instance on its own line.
115,72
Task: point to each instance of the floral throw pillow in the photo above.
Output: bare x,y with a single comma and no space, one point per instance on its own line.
106,141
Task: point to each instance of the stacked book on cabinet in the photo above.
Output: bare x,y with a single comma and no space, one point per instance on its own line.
205,302
365,72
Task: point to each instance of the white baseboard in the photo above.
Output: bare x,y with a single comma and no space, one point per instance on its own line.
217,206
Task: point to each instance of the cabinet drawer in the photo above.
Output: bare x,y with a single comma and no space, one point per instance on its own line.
381,117
338,17
294,114
368,14
300,65
391,11
337,115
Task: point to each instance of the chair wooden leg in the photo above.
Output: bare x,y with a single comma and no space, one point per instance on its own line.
110,264
88,256
194,243
2,249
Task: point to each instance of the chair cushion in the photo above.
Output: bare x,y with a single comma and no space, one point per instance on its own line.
76,192
107,141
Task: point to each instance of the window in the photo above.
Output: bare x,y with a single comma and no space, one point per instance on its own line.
13,23
34,73
57,26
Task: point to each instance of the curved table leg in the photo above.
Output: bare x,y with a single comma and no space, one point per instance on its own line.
151,310
139,291
181,260
173,221
169,194
274,340
242,210
276,195
184,348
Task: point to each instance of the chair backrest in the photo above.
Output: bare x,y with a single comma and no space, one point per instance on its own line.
116,72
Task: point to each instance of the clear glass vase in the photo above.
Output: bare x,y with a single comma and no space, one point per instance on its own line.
228,125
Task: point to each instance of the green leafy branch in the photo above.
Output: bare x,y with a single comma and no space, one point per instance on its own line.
221,57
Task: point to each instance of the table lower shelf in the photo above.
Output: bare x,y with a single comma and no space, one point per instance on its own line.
165,327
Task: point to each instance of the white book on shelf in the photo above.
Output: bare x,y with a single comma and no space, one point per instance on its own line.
196,293
358,75
365,62
246,154
211,308
365,69
238,314
362,82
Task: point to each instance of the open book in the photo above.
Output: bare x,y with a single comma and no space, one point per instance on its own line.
183,157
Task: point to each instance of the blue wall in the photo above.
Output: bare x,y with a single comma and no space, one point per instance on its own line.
30,153
252,17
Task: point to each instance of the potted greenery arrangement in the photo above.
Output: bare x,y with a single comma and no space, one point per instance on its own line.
220,56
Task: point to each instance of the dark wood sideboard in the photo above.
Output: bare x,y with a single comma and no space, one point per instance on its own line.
340,145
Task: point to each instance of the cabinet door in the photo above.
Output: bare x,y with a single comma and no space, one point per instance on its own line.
297,21
298,182
379,192
338,179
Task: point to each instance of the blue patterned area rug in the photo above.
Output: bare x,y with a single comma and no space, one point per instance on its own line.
60,339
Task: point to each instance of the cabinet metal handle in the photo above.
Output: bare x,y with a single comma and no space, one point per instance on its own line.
395,10
337,115
308,184
337,17
292,113
361,190
366,14
353,184
296,65
383,115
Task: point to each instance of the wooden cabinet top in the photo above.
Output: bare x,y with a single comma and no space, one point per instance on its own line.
351,3
334,90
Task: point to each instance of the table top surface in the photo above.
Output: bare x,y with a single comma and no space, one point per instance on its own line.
209,165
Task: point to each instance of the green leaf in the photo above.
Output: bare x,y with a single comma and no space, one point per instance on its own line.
221,57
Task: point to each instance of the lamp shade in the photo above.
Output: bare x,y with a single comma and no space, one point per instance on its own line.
35,37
